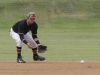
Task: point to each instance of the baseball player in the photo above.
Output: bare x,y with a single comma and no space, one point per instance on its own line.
19,32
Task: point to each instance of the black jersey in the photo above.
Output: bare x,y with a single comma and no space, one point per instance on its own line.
21,27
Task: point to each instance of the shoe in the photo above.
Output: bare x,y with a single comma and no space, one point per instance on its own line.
37,57
20,60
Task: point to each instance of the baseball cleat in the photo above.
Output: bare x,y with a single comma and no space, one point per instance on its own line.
20,60
38,58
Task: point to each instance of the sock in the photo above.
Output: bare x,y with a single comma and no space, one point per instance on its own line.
19,52
18,55
34,51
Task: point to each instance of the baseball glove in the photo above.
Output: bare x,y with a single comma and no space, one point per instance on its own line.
42,48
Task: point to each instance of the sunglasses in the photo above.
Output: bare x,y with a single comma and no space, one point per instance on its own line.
32,18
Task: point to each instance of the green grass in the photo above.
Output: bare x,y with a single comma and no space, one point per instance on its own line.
70,32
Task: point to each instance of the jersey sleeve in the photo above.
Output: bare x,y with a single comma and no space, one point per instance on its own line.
34,31
21,31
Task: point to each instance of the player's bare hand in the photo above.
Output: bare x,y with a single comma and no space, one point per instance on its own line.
38,44
29,45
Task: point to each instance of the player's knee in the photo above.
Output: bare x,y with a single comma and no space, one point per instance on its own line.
34,45
19,43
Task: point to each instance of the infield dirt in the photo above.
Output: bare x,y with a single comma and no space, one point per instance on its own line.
50,67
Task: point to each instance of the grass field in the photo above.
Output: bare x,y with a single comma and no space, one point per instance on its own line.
70,28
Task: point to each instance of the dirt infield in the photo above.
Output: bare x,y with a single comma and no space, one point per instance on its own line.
59,67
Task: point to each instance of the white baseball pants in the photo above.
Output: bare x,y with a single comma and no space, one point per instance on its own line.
27,37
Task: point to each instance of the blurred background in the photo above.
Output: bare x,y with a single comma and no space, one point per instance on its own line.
70,28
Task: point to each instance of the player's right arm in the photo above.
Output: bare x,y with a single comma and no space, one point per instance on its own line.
21,34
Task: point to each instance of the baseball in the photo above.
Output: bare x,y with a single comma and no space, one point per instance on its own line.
82,61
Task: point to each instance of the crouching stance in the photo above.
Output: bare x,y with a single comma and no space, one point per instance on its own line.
19,32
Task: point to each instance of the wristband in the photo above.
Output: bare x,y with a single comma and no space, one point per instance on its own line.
37,42
25,41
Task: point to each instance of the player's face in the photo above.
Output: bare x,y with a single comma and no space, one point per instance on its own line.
31,20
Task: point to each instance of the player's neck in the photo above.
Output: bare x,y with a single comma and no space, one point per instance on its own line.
27,22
